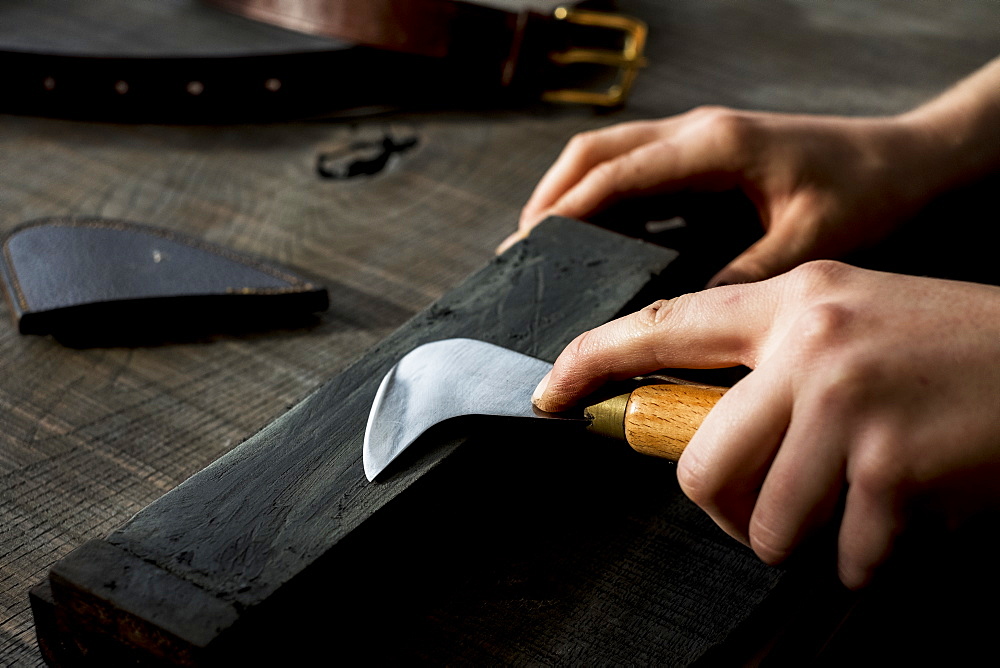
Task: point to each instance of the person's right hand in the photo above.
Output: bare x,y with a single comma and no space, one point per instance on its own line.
822,185
879,389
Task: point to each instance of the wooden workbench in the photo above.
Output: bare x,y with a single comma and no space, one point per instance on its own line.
88,437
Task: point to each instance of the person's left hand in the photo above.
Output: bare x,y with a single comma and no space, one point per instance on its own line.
823,186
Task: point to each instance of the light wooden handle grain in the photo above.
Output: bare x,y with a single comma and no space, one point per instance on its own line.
658,419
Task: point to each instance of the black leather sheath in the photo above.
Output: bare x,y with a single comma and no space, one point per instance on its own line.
98,280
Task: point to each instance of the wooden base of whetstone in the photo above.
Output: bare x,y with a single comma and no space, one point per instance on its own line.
486,542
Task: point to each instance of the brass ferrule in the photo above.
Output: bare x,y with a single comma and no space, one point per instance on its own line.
607,418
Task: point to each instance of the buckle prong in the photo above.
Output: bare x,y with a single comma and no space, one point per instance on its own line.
628,60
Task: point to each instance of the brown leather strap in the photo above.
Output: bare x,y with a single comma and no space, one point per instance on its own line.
416,53
509,45
487,35
422,27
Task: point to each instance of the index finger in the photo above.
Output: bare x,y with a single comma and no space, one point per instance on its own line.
715,328
579,156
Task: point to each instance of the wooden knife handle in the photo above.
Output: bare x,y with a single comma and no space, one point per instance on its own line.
658,419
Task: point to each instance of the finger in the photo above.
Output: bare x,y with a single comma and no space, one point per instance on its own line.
579,156
690,160
709,329
803,485
787,244
725,464
770,256
511,240
872,521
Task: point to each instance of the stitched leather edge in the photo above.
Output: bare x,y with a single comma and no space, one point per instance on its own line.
11,276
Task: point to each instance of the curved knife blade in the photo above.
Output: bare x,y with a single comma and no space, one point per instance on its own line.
442,380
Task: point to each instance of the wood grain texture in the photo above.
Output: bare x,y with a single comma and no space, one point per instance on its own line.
661,419
90,437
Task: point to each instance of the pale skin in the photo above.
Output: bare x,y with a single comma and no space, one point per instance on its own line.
873,397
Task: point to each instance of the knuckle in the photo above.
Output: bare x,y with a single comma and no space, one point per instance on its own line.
608,173
731,136
843,379
878,468
709,110
730,130
822,326
771,545
665,311
839,396
729,126
578,350
655,313
839,383
818,276
696,481
582,144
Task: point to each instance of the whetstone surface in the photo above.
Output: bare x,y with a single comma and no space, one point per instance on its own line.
296,488
497,542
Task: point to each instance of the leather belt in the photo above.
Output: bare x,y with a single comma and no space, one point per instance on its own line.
510,44
413,53
204,89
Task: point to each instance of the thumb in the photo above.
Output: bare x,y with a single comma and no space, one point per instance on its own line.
704,330
773,254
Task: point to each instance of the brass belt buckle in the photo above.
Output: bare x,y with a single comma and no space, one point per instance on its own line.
628,60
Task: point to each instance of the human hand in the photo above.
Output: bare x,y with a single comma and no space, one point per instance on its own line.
875,389
822,185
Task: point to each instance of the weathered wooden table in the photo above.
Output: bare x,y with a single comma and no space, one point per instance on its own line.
91,436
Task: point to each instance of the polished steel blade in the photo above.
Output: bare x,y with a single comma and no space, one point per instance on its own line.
442,380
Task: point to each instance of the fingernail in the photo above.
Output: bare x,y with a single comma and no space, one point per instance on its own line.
543,385
510,241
